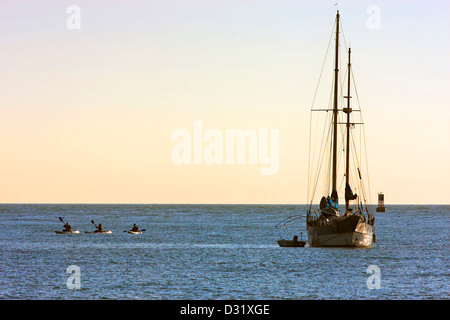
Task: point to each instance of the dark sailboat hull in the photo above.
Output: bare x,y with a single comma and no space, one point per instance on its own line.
343,231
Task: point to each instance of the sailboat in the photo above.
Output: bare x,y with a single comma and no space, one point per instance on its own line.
333,224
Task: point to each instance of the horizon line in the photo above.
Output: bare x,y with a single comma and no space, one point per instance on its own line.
253,204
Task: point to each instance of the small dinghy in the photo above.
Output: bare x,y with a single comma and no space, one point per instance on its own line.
291,243
291,221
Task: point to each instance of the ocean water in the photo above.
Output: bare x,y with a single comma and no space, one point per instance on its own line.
215,252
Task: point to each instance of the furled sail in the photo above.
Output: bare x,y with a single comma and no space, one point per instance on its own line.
349,193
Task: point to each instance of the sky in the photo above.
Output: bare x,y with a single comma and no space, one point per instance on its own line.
90,97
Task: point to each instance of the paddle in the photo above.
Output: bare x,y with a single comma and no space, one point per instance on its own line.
92,221
101,231
69,229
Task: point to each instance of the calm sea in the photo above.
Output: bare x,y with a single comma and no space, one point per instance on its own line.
215,252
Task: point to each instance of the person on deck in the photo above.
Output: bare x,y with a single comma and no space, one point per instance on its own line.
333,200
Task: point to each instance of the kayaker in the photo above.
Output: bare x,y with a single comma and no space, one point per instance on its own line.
135,228
99,228
67,227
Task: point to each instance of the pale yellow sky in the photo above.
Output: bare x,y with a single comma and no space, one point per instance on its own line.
86,116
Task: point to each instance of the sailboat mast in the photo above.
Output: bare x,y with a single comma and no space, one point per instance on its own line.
335,105
348,110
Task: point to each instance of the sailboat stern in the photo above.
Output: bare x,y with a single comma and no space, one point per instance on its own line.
350,231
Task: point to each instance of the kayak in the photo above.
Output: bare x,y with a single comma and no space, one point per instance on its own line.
104,231
68,232
135,232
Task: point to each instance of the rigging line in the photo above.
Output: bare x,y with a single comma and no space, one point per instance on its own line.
341,97
341,151
357,183
325,153
329,152
357,186
362,185
362,121
343,36
342,131
324,139
353,181
342,56
342,78
310,170
362,181
328,147
364,137
355,162
330,101
342,140
324,165
355,154
290,220
327,119
309,160
312,173
327,177
312,154
312,105
356,90
367,165
320,160
323,65
324,143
